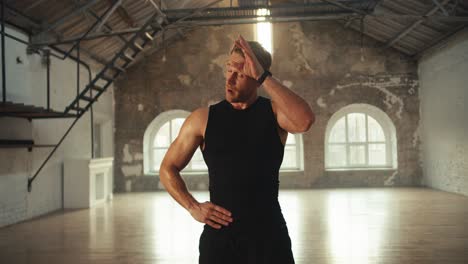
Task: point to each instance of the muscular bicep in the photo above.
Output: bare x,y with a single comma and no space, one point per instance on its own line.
184,146
283,122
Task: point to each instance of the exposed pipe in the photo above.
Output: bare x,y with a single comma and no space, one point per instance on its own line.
78,74
92,131
30,180
78,60
72,58
90,37
42,49
48,79
17,39
3,53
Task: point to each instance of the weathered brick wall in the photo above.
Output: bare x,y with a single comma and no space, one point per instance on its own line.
321,61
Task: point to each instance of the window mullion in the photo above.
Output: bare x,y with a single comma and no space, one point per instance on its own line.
388,146
170,132
296,147
347,140
367,142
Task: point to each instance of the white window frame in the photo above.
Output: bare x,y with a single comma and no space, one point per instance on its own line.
388,129
299,154
149,137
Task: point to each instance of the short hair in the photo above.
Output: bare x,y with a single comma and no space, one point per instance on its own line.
263,56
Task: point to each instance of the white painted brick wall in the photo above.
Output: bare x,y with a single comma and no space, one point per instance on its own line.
13,199
16,165
444,94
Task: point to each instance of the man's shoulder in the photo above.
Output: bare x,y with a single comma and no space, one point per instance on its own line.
197,120
199,114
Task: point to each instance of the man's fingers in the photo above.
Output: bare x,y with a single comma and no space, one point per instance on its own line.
245,45
222,210
219,220
222,216
239,44
217,215
248,53
213,224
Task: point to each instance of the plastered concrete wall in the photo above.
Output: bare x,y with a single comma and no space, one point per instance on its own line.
26,83
321,61
444,97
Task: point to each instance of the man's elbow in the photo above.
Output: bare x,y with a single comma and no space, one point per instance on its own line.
308,123
165,172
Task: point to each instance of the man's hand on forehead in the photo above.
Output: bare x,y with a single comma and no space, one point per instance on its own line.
251,67
236,65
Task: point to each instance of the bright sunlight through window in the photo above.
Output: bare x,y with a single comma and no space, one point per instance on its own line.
263,30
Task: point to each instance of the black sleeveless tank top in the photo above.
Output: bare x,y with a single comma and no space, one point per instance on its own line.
243,152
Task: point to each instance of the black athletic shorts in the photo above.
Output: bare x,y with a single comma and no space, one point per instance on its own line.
272,247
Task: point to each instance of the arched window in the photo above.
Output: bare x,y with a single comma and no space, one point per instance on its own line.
360,136
158,137
293,153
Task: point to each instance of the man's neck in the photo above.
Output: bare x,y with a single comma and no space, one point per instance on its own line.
244,105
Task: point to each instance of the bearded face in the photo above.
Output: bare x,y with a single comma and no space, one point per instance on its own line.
239,87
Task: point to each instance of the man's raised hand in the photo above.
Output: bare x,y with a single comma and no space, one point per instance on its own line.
252,66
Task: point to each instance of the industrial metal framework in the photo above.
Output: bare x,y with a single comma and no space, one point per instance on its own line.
137,39
104,78
248,12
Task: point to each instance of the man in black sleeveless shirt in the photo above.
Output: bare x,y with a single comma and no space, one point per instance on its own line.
242,140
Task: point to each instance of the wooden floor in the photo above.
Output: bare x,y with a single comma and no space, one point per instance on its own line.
326,226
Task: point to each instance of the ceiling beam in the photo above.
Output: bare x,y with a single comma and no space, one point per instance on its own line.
439,41
246,20
346,7
348,22
165,34
118,32
405,32
376,3
33,5
35,25
125,16
94,56
115,5
163,16
66,17
92,36
441,7
291,11
106,25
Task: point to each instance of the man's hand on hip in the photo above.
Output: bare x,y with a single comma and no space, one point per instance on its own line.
211,214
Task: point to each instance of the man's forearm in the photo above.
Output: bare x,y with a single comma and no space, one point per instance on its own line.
292,105
175,186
